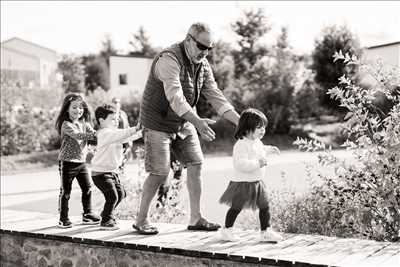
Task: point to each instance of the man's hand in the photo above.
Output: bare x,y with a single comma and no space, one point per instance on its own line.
204,130
201,125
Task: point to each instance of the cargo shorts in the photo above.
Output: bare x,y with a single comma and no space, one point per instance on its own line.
159,145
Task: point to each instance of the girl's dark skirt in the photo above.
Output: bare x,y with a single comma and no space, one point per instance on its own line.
245,195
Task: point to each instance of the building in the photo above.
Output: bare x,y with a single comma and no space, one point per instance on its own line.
388,54
128,75
27,64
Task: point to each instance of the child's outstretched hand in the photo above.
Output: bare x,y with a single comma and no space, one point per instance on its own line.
272,150
262,162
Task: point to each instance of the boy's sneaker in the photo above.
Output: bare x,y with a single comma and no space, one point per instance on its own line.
228,235
270,235
109,225
90,218
64,223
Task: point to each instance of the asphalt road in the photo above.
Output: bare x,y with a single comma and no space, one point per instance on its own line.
38,191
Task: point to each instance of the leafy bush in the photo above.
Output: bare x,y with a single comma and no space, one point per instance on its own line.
363,197
172,212
27,130
27,120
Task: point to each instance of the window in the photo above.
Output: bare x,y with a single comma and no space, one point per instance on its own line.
123,79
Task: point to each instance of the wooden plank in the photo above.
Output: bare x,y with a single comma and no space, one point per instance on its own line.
393,261
296,253
353,252
270,250
11,218
313,249
289,244
388,253
318,252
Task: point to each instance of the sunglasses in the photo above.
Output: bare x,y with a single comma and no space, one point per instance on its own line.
200,45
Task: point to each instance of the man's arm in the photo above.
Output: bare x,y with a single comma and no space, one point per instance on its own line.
232,116
167,70
216,98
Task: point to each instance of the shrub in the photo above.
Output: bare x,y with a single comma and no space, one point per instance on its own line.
27,120
172,212
363,197
27,130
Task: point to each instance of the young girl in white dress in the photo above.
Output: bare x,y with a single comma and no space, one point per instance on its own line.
246,188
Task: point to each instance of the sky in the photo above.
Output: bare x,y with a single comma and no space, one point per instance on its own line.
78,27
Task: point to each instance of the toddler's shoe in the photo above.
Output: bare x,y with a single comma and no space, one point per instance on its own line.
270,235
109,225
90,219
65,223
228,235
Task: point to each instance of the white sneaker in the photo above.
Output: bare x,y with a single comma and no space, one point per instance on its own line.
270,235
228,235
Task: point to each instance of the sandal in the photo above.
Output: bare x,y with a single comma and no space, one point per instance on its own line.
146,229
204,225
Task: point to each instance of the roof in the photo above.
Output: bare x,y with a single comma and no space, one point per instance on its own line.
22,40
19,52
383,45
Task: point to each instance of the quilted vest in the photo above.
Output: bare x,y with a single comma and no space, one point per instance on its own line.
155,111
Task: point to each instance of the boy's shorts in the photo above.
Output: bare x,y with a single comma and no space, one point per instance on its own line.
158,146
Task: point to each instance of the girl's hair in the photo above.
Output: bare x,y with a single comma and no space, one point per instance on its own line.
64,116
249,120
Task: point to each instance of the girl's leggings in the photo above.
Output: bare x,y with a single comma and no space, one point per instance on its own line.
263,214
68,171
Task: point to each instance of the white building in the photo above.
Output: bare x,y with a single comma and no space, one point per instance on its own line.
128,75
388,53
27,64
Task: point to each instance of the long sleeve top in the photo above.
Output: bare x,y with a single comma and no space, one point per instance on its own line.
167,70
109,151
246,153
74,139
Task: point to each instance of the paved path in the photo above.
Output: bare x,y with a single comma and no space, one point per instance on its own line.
38,191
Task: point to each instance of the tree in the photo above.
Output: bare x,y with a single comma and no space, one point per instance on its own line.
221,61
271,82
96,72
73,74
141,44
250,29
327,72
107,49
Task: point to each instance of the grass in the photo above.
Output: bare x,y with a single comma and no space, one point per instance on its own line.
28,162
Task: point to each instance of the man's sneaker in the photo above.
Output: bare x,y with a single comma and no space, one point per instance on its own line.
109,225
270,235
90,218
64,224
228,235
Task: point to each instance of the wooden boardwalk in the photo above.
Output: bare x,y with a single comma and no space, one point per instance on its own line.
295,248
